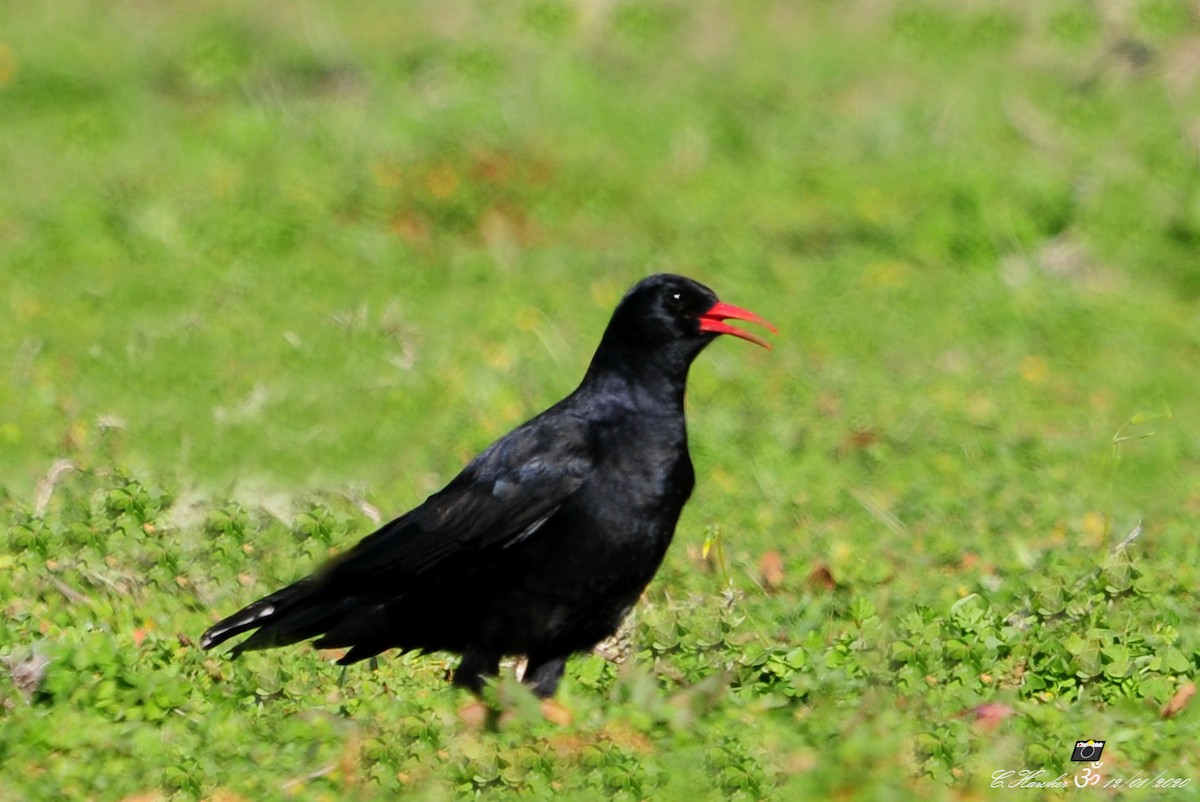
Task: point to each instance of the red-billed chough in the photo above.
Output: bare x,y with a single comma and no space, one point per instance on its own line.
545,540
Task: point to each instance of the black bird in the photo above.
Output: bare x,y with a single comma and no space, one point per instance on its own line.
545,540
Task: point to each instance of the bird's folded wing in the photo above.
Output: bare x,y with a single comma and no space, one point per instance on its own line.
502,497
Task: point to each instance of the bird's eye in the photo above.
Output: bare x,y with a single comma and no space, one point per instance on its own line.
675,300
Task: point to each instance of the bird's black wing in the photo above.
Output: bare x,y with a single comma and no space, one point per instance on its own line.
502,497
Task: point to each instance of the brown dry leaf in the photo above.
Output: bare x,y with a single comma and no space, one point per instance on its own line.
474,715
829,405
1179,700
333,655
859,440
411,227
820,577
350,760
568,745
147,796
770,567
627,738
492,167
442,181
988,716
557,713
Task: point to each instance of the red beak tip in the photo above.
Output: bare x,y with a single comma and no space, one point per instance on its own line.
712,320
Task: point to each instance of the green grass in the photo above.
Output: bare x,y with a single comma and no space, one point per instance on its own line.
263,267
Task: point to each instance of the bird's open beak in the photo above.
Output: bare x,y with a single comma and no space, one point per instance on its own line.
713,320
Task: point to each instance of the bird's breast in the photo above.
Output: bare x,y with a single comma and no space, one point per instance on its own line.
642,479
598,551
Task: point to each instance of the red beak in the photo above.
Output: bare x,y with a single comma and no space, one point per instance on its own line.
712,320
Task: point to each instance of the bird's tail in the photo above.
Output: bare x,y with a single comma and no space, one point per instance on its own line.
295,613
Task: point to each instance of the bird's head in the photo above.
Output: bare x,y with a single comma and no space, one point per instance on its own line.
666,309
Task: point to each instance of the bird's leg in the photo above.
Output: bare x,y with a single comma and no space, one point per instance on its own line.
474,669
542,674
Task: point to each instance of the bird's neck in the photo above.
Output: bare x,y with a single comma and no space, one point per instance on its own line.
653,382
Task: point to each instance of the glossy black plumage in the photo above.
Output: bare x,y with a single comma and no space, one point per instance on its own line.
546,539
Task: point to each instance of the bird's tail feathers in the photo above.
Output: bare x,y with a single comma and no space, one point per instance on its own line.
249,617
287,616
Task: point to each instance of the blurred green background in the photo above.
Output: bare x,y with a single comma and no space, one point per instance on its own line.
305,240
259,252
